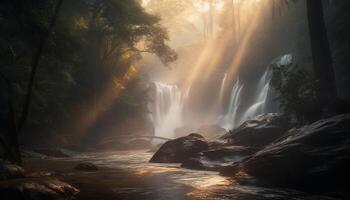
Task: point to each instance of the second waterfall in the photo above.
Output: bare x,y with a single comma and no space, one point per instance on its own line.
167,108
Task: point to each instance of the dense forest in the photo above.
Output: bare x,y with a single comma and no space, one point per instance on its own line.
99,99
58,57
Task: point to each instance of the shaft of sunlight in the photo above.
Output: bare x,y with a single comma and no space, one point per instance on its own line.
98,105
244,43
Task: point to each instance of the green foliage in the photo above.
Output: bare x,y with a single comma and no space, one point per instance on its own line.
93,42
297,92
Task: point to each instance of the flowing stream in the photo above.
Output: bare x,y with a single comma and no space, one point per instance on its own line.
128,175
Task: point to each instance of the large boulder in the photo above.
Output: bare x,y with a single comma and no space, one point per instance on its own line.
10,171
314,156
38,190
180,149
259,131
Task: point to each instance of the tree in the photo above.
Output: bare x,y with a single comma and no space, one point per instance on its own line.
37,56
321,55
54,43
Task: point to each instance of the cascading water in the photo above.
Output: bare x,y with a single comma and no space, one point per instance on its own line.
259,104
233,118
167,109
230,119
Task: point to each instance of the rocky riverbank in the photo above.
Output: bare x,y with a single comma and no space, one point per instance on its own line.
314,157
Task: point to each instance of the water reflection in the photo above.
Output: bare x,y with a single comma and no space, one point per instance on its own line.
210,182
139,179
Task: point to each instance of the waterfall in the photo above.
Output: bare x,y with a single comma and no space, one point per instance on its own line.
167,109
230,119
259,103
233,118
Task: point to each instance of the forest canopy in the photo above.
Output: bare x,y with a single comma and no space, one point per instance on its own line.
88,45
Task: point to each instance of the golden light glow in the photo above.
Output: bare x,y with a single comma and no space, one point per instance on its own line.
241,51
98,105
210,56
214,51
214,180
155,170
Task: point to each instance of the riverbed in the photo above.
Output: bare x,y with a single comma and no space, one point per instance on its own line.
127,175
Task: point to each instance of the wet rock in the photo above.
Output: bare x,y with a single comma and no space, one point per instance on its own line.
314,156
86,166
180,149
211,131
38,190
10,171
259,131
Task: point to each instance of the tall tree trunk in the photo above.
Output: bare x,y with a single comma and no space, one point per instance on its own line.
322,58
12,151
36,60
15,151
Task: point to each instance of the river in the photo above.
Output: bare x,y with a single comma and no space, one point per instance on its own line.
128,175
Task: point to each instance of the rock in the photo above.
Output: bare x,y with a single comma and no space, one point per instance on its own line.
10,171
283,61
86,166
211,131
259,131
38,190
315,156
180,149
